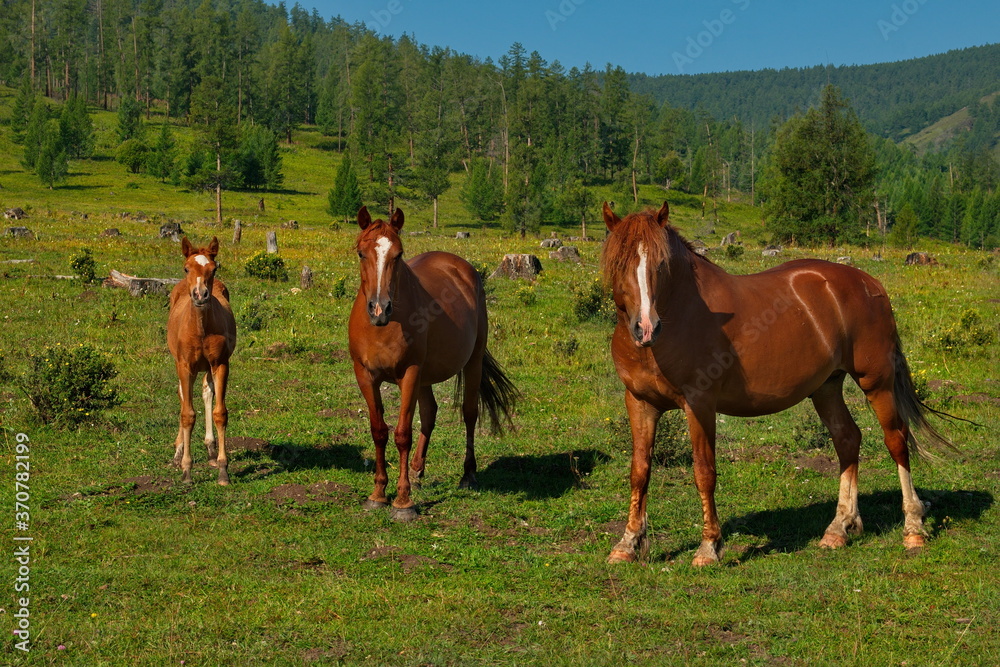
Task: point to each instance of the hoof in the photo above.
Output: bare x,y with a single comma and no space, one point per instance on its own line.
470,484
833,541
619,556
186,478
213,463
223,478
914,542
702,561
403,514
374,504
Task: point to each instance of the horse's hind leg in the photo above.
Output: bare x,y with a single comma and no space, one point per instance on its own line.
897,433
207,395
428,414
473,373
179,440
829,403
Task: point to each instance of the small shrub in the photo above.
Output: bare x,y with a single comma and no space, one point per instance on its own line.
566,348
69,386
809,432
592,302
964,336
256,315
84,266
266,266
526,295
340,288
734,251
671,444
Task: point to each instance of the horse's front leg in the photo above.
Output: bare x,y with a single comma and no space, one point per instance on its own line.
701,426
372,393
186,382
643,418
409,388
220,415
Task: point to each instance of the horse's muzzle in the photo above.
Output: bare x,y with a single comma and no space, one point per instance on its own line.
645,333
200,299
379,313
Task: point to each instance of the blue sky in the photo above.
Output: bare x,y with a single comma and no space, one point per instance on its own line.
685,37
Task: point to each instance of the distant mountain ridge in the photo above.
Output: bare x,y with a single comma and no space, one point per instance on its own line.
894,100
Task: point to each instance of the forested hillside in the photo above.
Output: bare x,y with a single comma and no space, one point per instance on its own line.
893,100
532,136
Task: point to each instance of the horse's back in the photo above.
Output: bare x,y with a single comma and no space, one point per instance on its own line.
449,279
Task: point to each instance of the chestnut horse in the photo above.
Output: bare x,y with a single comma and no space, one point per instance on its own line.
415,324
201,334
692,337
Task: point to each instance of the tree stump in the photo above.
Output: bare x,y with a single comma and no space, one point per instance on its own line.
516,265
306,279
237,231
461,235
140,286
170,229
551,243
920,259
272,242
20,232
565,253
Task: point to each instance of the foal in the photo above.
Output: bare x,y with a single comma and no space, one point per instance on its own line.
201,335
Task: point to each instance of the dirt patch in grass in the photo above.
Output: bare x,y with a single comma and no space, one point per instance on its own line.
247,444
820,463
302,494
332,654
147,484
408,562
978,398
345,413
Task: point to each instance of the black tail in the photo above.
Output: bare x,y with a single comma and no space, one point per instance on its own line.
497,394
913,411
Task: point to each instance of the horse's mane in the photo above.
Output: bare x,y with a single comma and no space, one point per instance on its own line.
621,249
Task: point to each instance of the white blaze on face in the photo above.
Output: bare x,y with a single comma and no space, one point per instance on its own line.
201,259
382,249
642,277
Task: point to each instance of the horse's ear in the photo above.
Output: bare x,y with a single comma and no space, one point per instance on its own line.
610,219
397,219
213,247
663,215
186,247
364,218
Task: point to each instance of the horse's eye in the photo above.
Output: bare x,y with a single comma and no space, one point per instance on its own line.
360,255
186,269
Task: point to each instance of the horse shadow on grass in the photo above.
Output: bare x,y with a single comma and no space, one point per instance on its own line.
541,477
285,456
791,529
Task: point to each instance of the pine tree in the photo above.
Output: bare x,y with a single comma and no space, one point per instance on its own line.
24,105
52,163
904,232
820,182
344,199
160,162
76,129
482,193
129,120
34,134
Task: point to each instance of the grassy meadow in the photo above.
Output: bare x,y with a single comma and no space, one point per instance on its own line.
285,568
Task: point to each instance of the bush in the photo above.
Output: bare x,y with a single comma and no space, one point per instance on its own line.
266,266
671,444
965,336
592,302
84,266
526,295
256,315
340,288
734,251
69,386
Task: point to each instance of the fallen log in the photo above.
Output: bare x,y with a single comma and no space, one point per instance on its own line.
140,286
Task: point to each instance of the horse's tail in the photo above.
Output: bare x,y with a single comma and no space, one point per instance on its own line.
914,412
497,394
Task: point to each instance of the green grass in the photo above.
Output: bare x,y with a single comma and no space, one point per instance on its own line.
129,565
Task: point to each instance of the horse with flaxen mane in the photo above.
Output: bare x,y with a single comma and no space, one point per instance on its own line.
201,335
692,337
416,324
